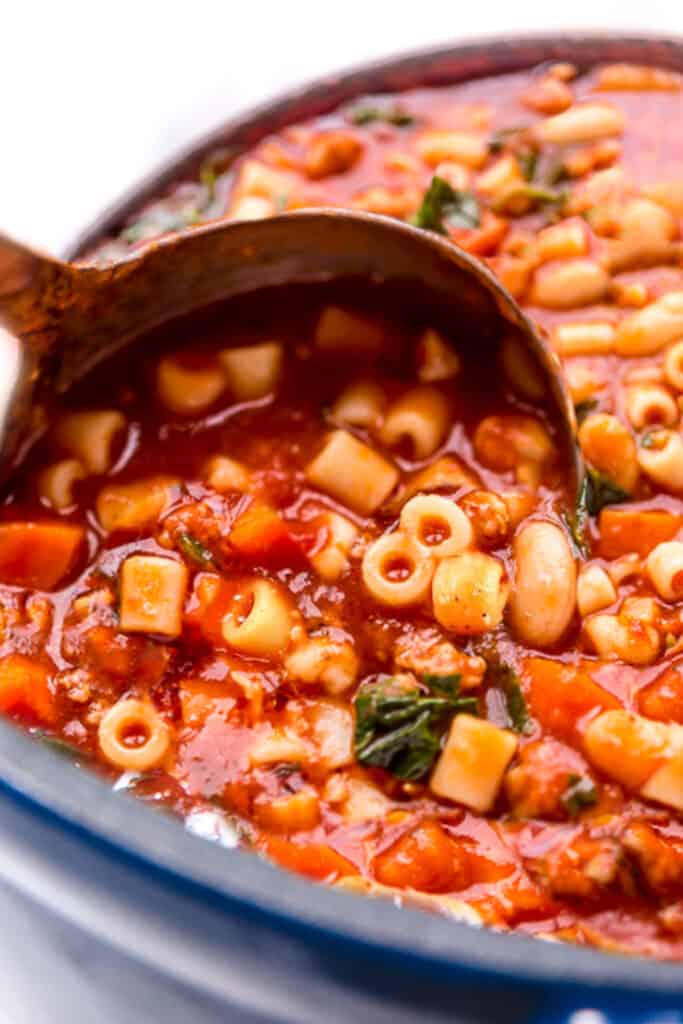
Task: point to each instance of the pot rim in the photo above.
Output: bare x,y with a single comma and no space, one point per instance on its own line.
78,801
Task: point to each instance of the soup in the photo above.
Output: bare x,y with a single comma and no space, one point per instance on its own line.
310,575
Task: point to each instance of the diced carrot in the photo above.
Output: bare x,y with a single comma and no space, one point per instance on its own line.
260,535
38,555
560,696
625,530
200,698
316,860
662,699
24,688
482,240
426,859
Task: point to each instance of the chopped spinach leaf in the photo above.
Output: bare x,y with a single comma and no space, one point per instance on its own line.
595,492
446,207
502,136
399,728
539,195
528,162
369,113
215,164
502,675
583,409
601,491
579,794
194,550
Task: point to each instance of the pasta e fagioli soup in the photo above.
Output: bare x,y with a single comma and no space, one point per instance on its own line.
311,565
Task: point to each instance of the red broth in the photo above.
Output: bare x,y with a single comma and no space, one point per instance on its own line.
329,596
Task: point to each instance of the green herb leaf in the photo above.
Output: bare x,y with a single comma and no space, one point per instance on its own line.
213,166
502,675
500,138
194,550
601,491
528,161
400,729
579,794
540,195
595,492
649,440
445,207
367,114
583,409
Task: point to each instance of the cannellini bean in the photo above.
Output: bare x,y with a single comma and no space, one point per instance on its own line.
594,338
651,328
469,593
500,177
461,147
648,405
581,123
665,568
544,592
660,455
610,448
594,590
637,78
562,241
569,285
673,365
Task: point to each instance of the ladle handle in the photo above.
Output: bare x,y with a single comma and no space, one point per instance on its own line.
32,287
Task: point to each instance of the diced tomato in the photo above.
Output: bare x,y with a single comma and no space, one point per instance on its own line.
38,555
560,696
24,688
260,535
625,530
663,698
316,860
426,859
482,240
210,601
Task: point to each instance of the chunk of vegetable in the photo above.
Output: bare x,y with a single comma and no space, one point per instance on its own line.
472,765
25,688
152,595
137,505
38,555
261,535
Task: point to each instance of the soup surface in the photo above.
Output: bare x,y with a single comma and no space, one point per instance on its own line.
309,575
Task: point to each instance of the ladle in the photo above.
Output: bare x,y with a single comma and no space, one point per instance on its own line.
64,317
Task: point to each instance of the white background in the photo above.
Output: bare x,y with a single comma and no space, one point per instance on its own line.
94,94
